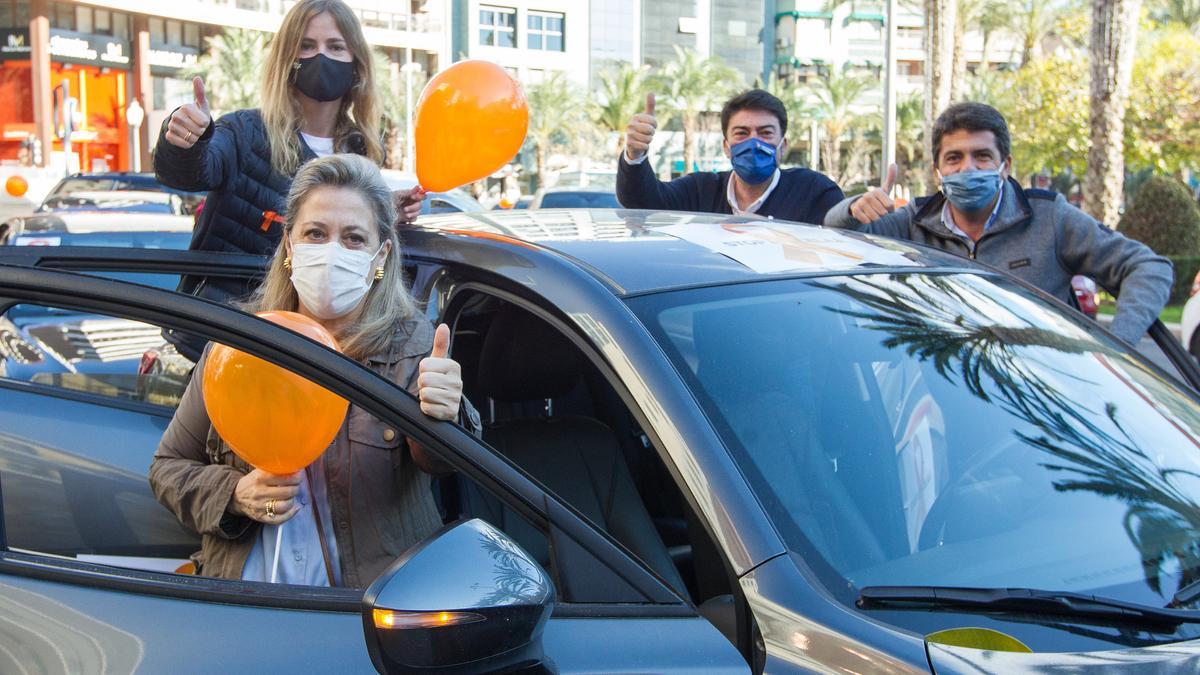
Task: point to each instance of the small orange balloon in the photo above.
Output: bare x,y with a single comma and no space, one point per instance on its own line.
16,186
271,417
471,120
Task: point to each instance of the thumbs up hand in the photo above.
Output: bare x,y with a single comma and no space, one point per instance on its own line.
876,203
189,121
640,131
440,380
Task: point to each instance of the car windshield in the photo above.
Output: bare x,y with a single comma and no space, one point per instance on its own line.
580,200
945,429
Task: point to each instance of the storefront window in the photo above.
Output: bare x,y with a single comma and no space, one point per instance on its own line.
22,14
158,31
174,33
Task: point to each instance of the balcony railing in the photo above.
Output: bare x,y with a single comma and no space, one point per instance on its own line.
371,16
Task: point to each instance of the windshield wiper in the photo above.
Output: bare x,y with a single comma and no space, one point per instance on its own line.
1029,600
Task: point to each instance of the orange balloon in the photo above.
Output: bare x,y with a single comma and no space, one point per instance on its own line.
16,186
471,120
273,418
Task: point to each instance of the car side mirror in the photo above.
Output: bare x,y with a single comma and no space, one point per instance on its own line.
467,599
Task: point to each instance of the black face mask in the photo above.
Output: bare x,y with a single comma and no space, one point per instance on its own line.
322,78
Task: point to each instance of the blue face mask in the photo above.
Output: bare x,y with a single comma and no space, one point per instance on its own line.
971,190
754,160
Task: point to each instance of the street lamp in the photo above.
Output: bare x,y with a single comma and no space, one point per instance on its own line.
134,116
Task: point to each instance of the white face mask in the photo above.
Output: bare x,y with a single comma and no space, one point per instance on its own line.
330,280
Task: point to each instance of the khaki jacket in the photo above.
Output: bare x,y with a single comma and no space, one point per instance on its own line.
381,502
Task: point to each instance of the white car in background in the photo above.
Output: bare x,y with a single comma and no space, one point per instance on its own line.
1190,319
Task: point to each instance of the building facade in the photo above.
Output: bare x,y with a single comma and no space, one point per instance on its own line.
82,66
811,41
647,32
530,38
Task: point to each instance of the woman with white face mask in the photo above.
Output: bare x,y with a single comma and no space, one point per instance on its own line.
342,520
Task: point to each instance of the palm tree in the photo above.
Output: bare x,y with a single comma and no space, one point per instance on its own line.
1031,21
622,95
554,106
1114,39
232,69
834,97
692,85
910,119
799,110
939,38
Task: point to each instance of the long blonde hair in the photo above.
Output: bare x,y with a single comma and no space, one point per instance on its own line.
388,302
357,127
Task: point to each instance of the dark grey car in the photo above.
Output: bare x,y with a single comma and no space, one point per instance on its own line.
711,445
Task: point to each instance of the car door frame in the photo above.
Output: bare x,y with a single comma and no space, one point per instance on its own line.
347,378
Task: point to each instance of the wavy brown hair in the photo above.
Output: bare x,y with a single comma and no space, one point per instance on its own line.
389,301
357,128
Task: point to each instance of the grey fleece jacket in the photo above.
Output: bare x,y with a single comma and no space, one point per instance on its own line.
1041,238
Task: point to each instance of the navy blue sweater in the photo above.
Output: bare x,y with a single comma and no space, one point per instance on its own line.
802,195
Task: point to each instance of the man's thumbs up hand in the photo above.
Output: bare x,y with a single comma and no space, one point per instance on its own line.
440,380
640,132
876,203
188,122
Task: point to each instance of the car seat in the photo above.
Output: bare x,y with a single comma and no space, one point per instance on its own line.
576,457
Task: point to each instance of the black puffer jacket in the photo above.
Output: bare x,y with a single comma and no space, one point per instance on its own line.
246,197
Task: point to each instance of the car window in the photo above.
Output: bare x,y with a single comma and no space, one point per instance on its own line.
79,352
562,422
74,464
580,200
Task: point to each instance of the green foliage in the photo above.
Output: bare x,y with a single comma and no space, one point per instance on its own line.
1046,105
692,84
232,69
1185,13
1186,267
1162,122
1164,217
622,95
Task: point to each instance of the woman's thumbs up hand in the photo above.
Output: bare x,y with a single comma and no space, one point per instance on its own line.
188,122
440,380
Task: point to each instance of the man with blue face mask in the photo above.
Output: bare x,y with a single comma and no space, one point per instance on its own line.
982,213
755,129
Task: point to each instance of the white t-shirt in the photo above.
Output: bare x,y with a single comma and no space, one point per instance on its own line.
323,147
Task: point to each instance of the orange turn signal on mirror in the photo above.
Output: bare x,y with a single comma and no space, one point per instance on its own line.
391,619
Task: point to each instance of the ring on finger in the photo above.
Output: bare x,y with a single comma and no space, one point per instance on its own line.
270,508
188,137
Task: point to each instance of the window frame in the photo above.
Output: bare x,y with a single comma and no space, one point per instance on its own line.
543,33
464,289
375,395
496,28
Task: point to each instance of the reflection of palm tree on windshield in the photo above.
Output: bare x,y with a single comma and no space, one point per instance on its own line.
927,316
515,579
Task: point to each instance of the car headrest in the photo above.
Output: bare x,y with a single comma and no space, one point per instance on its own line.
525,359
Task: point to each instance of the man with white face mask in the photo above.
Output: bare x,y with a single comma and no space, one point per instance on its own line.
982,213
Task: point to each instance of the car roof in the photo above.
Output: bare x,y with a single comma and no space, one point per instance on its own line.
635,251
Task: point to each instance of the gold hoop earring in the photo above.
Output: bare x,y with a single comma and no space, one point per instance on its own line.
379,272
287,263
